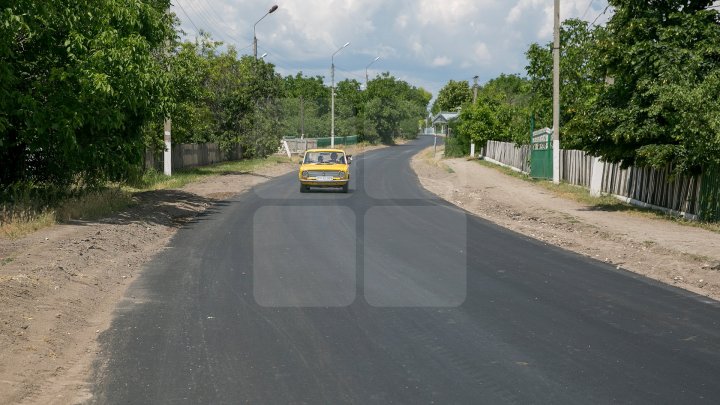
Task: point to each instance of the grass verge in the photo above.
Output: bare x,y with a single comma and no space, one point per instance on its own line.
603,203
24,217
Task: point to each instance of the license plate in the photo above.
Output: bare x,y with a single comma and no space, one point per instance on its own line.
324,178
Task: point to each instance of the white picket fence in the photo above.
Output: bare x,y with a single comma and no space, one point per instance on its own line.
643,186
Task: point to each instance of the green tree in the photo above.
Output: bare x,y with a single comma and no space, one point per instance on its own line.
392,107
510,99
663,60
78,82
453,95
580,79
349,100
478,123
315,103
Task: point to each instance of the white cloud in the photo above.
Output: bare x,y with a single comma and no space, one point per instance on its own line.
430,41
441,61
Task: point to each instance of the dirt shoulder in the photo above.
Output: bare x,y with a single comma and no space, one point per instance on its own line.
676,254
60,285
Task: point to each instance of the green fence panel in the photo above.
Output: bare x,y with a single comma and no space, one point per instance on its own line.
339,140
323,142
710,194
541,165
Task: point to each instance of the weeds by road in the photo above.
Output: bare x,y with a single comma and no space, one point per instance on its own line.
24,216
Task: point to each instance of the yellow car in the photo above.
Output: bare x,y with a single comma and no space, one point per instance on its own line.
324,168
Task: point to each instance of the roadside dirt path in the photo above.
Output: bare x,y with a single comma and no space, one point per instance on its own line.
60,285
676,254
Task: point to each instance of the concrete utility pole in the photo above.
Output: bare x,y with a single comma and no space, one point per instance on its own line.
272,10
475,90
332,90
366,71
302,118
556,95
167,154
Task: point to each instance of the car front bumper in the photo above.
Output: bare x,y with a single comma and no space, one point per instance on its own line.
316,183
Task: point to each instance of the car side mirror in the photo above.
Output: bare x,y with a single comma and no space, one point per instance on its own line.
300,162
349,159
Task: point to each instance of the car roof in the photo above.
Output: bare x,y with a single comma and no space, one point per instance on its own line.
325,150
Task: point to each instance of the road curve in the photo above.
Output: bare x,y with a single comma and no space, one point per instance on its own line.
389,295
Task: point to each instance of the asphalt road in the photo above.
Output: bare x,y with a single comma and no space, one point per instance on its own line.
389,295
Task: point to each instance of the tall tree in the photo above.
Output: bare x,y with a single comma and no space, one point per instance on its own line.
581,79
78,81
453,95
663,60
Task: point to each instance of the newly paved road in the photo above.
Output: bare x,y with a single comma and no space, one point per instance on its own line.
388,295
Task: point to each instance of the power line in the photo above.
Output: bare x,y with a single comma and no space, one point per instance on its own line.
220,22
587,9
350,73
210,16
188,17
209,26
599,15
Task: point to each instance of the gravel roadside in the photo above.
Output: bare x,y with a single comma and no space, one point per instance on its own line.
675,254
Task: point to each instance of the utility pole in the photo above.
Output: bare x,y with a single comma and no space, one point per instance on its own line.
475,91
302,118
366,71
332,94
332,106
556,95
167,125
272,10
167,154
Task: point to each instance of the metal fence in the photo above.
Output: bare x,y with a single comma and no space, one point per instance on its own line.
192,155
710,193
295,145
339,140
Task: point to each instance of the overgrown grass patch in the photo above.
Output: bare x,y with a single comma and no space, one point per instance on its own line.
26,214
154,180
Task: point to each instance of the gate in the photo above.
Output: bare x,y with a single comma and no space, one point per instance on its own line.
541,164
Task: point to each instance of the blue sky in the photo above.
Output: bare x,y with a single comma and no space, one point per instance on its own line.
425,42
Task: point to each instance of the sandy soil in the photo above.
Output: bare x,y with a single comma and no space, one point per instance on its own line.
676,254
60,285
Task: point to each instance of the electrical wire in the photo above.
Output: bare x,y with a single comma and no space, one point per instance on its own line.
599,15
210,26
197,30
587,9
220,22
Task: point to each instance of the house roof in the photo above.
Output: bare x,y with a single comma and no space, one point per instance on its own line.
444,117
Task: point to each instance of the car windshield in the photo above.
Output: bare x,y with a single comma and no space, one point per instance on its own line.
325,157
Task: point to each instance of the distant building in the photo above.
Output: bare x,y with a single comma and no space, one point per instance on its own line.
440,121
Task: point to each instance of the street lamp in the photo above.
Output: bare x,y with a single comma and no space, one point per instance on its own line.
332,108
263,55
272,10
366,71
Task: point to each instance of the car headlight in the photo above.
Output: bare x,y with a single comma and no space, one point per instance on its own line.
305,174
